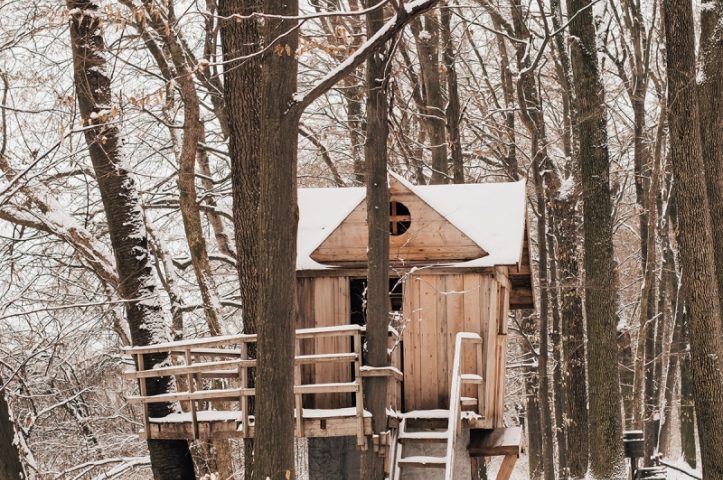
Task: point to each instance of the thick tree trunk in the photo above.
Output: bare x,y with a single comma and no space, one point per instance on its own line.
240,38
710,91
687,404
377,198
279,215
605,403
169,459
695,235
10,464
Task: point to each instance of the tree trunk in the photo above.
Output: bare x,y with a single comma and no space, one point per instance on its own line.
453,110
11,466
170,459
426,34
240,38
543,392
710,91
377,198
695,235
559,390
279,216
687,404
605,404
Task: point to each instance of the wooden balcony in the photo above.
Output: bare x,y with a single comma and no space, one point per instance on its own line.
214,391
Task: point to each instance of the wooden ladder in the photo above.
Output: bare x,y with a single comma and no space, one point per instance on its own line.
434,433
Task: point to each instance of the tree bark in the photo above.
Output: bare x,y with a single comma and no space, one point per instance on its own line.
426,34
543,392
278,215
605,422
377,198
240,38
169,459
11,466
453,111
695,235
710,93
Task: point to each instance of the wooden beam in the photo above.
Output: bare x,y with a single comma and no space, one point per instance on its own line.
508,465
495,442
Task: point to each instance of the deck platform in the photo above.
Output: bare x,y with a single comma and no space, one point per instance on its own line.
213,424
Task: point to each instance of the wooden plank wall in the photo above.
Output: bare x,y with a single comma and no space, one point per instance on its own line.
436,308
324,302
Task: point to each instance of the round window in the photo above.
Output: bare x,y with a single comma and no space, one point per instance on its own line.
399,218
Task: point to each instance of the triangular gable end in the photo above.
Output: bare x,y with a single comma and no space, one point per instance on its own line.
419,234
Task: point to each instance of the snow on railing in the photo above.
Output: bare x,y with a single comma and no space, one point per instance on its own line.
230,360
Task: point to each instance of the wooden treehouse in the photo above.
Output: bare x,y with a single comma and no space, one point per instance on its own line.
458,263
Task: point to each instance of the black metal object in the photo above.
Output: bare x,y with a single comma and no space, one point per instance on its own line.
634,442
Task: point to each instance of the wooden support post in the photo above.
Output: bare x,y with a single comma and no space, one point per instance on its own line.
192,403
508,465
243,374
482,386
143,392
299,406
361,440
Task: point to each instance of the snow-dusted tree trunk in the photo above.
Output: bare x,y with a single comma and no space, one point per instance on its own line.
695,235
605,420
10,465
121,202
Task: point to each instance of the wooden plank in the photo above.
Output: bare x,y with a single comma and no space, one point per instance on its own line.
473,300
494,442
198,395
314,427
426,379
441,332
490,346
508,465
411,318
359,270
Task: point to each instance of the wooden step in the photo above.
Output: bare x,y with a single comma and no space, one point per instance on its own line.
426,414
424,462
438,436
471,378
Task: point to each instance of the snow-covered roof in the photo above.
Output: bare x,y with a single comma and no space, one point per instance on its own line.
491,214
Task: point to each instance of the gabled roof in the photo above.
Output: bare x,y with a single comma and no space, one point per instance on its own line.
491,214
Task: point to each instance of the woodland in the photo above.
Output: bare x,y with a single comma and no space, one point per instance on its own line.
150,156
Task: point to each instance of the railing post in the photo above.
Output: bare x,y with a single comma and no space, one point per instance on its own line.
143,392
361,439
244,380
192,402
481,388
297,396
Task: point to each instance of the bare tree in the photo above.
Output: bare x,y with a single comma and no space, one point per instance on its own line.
170,459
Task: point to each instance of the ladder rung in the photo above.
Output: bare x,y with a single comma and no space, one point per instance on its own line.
431,462
424,436
472,378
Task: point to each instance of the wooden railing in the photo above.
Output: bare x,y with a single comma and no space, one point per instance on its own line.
220,362
455,399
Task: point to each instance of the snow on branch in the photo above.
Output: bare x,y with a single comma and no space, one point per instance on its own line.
395,24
